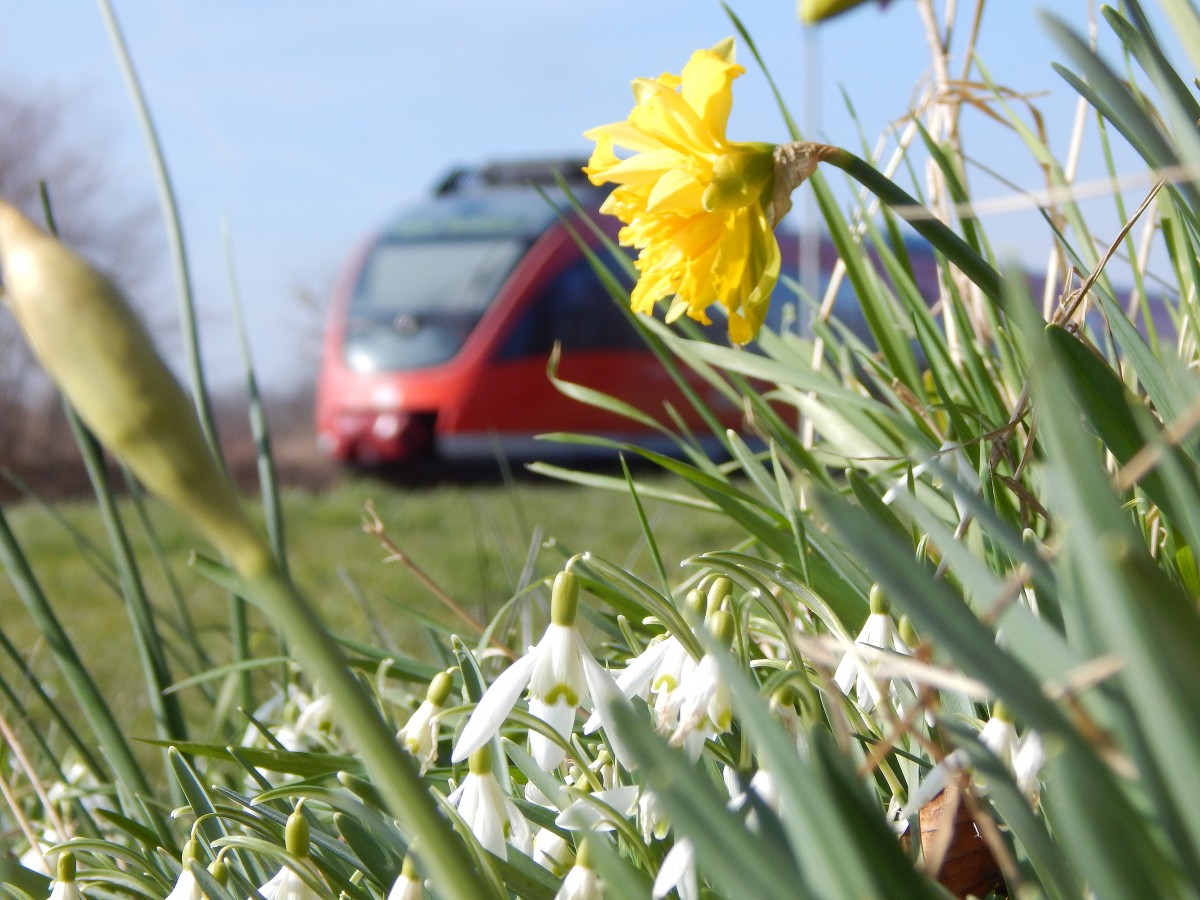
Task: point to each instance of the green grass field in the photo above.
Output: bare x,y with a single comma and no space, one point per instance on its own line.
473,541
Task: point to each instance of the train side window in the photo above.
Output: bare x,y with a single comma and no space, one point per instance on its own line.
575,309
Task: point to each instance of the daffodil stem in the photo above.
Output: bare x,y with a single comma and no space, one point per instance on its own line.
955,249
441,854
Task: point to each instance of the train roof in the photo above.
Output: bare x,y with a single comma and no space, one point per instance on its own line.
513,199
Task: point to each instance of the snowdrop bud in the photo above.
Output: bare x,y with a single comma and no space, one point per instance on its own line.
718,593
296,834
564,599
694,604
98,353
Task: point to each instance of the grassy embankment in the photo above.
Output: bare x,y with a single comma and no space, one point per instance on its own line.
473,541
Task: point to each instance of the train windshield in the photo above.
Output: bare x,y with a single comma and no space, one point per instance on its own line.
418,300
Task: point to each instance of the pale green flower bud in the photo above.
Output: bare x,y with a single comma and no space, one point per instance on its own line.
721,626
718,592
295,835
98,353
695,603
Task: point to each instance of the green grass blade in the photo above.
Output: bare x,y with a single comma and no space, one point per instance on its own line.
108,732
168,713
725,850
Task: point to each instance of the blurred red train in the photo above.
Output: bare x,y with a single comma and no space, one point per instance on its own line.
440,331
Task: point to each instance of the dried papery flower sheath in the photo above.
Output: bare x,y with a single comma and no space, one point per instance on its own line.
98,353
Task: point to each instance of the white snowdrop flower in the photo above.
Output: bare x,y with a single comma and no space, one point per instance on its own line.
678,872
186,887
552,853
588,813
274,711
879,636
491,816
1027,764
660,669
706,706
652,821
762,786
296,722
79,783
1000,735
582,882
420,733
561,674
287,885
408,885
315,723
677,668
1021,756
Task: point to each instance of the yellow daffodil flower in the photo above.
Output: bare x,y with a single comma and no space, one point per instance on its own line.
699,208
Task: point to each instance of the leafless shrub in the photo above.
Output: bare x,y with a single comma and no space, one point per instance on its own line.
44,139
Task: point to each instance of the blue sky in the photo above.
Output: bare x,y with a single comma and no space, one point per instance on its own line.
305,124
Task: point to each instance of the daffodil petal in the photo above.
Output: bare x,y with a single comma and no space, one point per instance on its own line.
675,191
705,87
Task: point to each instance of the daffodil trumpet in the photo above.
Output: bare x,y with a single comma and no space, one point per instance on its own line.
100,356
